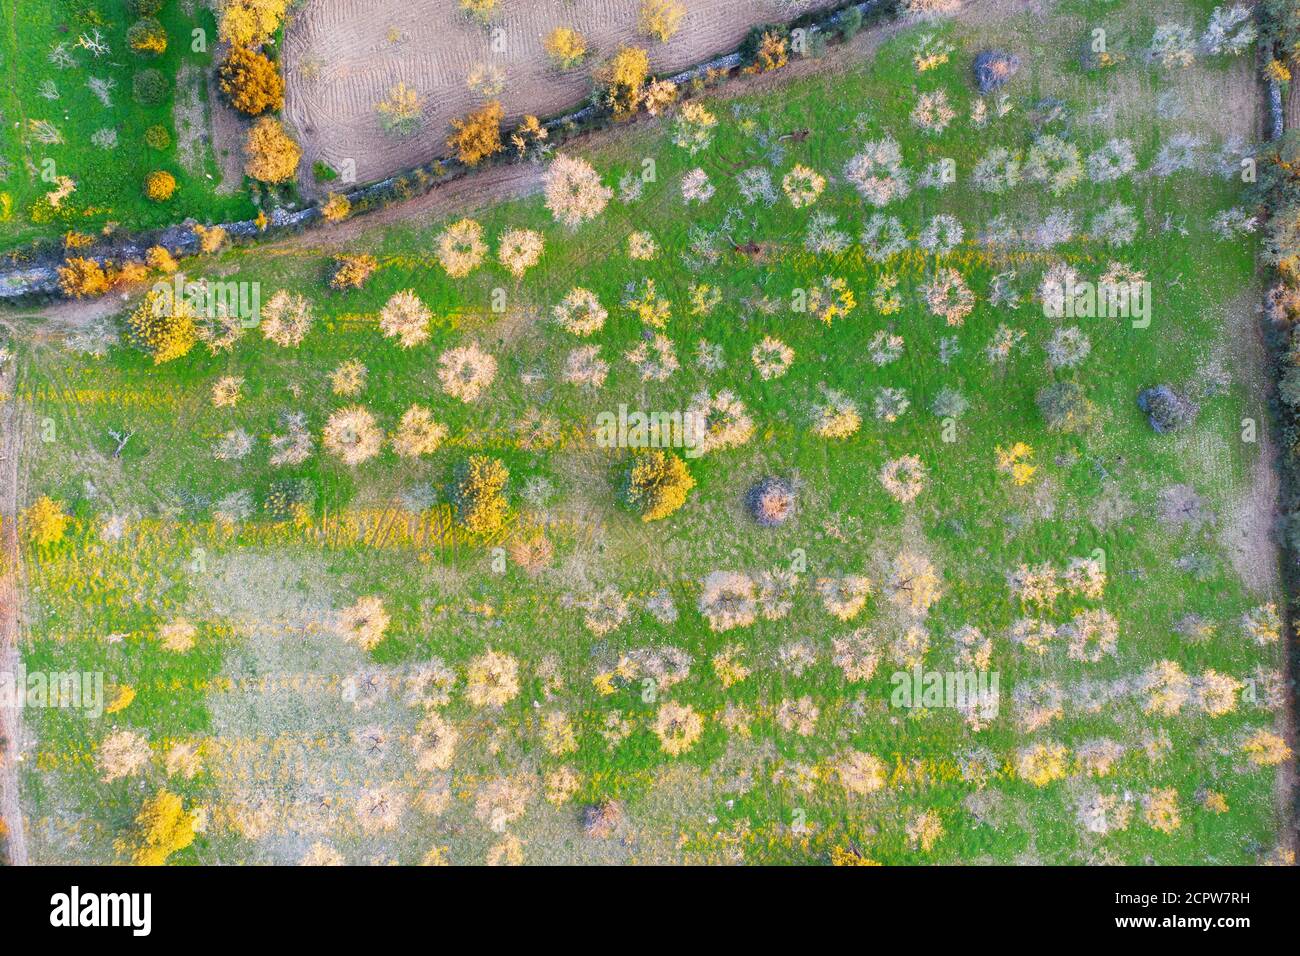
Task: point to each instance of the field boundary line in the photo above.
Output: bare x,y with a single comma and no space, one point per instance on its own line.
11,722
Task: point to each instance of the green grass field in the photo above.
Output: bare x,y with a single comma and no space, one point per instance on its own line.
307,744
55,123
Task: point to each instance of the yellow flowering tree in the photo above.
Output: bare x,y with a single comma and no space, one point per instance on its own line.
566,46
400,111
660,19
478,494
271,155
163,326
478,135
624,77
165,827
250,23
1016,462
656,484
45,521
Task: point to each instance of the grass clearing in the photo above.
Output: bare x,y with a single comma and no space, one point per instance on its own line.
312,745
58,126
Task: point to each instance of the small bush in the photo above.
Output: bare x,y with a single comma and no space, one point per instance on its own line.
478,494
1166,409
1291,531
623,78
211,238
401,111
566,47
147,36
351,272
164,827
480,10
1066,408
158,257
162,326
994,68
656,484
949,403
288,499
478,135
849,24
149,87
765,49
1288,387
602,820
336,207
159,185
45,521
660,19
157,137
81,278
771,502
323,172
251,82
145,8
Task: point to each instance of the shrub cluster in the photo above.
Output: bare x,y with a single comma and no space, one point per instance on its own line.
656,484
147,36
159,185
162,326
149,87
271,155
1278,190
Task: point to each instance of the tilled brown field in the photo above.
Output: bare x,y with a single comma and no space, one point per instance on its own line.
342,57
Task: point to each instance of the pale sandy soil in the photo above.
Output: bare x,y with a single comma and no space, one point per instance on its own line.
342,56
11,724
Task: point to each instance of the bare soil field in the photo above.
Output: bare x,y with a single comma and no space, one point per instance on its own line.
342,56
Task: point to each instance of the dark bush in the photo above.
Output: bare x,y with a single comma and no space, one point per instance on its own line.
149,87
849,24
1166,409
753,41
993,69
602,820
771,502
287,497
1288,387
1291,531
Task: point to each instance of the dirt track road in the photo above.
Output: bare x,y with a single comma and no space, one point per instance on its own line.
11,724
